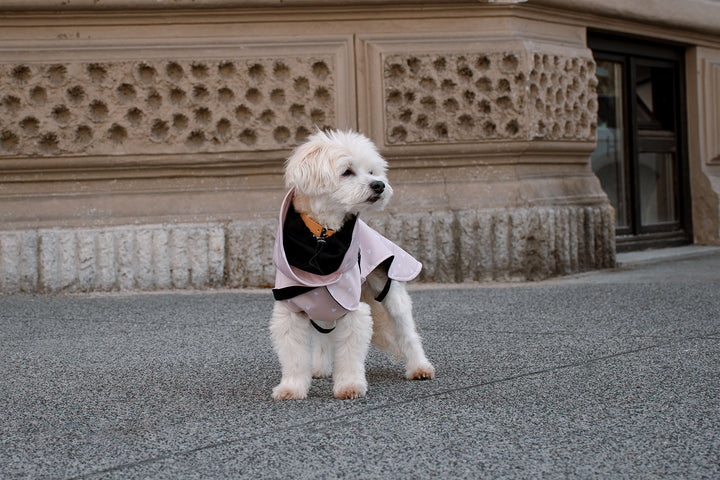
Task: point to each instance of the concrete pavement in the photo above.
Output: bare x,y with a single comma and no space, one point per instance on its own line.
612,374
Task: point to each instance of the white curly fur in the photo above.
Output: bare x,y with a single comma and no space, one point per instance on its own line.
331,174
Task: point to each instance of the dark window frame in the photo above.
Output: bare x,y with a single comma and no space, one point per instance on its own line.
633,52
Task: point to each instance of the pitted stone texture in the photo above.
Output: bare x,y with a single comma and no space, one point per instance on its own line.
476,96
167,107
461,246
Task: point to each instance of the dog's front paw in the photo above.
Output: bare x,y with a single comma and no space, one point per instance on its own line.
423,372
350,391
288,392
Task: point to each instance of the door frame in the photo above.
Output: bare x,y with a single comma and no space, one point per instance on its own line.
632,52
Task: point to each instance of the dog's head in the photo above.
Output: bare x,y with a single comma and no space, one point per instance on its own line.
341,170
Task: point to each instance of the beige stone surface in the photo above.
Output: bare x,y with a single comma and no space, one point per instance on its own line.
704,125
141,144
689,14
184,103
482,95
695,15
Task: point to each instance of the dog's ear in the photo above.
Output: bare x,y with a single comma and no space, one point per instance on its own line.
311,169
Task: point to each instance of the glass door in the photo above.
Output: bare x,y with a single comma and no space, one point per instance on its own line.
609,161
657,140
640,156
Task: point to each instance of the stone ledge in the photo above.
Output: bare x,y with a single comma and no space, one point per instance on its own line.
646,257
40,5
459,246
689,14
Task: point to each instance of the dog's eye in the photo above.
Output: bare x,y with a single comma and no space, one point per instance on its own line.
347,173
370,172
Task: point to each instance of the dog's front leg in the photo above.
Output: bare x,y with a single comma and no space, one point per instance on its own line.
290,334
352,341
399,307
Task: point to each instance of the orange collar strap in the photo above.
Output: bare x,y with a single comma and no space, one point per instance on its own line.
315,228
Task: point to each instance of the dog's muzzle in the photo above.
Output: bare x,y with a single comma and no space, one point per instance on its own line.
378,188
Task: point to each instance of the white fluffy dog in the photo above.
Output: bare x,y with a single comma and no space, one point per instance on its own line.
339,283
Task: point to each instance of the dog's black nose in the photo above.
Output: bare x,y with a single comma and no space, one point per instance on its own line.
377,186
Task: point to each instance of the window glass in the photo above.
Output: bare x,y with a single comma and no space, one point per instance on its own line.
657,188
608,160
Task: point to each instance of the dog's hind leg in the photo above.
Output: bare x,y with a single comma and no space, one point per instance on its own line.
352,341
383,330
290,334
399,307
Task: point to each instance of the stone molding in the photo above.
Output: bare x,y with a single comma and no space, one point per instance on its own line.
697,15
458,246
211,4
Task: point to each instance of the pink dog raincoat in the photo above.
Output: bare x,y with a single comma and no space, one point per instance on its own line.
326,298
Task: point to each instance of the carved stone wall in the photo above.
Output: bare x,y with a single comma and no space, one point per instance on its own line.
164,106
479,96
138,157
455,94
142,142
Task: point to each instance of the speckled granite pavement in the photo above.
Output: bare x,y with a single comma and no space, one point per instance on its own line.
612,374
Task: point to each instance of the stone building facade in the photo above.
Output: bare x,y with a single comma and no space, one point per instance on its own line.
142,141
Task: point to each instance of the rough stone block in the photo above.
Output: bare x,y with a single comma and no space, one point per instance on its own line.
454,246
161,258
216,255
86,260
9,263
105,261
179,261
144,274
